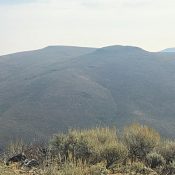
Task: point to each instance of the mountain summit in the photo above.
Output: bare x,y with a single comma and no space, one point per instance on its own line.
121,48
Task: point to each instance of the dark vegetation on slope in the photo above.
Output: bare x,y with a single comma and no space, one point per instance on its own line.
58,87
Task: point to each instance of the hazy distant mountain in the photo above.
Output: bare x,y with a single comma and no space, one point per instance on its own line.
56,88
169,50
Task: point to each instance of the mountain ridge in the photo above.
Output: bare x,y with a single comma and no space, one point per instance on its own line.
44,92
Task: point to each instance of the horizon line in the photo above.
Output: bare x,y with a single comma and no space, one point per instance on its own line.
78,46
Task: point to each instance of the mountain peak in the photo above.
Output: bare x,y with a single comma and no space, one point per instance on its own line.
121,48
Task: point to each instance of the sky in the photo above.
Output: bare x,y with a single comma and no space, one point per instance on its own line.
34,24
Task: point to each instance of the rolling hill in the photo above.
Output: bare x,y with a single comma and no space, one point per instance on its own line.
59,87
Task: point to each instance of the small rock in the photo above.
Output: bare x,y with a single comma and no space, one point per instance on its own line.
17,158
31,163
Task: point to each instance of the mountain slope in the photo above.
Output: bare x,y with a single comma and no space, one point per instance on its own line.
169,50
141,84
56,88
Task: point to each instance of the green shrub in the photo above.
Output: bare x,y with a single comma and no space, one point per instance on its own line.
59,145
86,145
167,150
140,140
171,168
155,160
114,153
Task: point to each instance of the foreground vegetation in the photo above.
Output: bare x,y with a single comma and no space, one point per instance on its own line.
100,151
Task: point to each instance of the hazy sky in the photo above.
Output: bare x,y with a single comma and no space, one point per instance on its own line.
33,24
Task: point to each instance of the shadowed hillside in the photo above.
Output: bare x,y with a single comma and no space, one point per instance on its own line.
56,88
